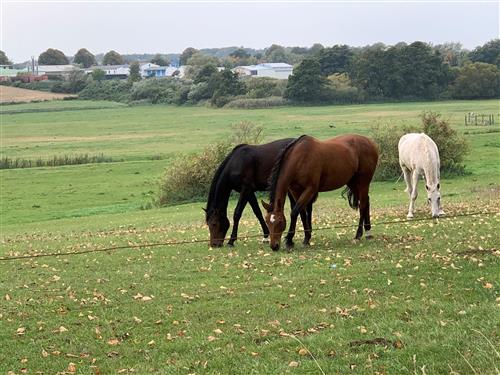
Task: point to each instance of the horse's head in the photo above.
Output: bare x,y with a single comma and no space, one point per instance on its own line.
276,222
218,224
434,199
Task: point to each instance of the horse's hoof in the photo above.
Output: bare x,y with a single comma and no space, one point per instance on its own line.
306,244
409,216
289,245
230,244
369,236
441,213
265,240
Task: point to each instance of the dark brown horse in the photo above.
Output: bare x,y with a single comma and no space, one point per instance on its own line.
308,166
246,169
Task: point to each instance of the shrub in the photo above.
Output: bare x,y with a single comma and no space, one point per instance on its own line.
452,147
115,90
273,101
264,87
161,90
188,178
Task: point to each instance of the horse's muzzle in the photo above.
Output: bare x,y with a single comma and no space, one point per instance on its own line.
275,247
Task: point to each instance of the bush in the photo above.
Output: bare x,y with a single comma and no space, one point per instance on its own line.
188,178
264,87
273,101
161,90
452,147
115,90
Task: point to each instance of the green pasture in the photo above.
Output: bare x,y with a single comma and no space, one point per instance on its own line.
421,298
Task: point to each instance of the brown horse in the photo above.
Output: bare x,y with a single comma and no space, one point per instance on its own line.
308,166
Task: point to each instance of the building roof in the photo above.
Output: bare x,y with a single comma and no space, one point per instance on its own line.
267,66
277,65
56,68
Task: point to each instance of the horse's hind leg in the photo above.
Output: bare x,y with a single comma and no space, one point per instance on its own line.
407,176
252,199
366,217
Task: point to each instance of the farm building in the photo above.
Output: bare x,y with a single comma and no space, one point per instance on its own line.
111,71
55,70
272,70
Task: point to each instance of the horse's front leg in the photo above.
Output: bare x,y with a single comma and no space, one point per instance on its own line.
301,206
293,224
413,193
306,217
238,211
252,199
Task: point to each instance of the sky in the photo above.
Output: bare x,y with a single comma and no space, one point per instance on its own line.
29,27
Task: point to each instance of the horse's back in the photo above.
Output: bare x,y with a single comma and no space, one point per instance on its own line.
414,147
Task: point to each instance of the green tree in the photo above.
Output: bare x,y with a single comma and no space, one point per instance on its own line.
205,73
186,55
476,80
225,84
240,53
200,59
315,49
306,84
488,53
52,57
335,59
85,58
98,75
135,72
160,60
4,60
276,53
112,58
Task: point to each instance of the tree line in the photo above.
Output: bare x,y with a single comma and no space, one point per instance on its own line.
337,74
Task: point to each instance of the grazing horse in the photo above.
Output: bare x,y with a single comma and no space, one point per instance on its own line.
308,166
245,169
419,155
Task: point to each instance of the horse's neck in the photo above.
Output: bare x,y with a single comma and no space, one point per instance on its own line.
431,172
281,191
223,189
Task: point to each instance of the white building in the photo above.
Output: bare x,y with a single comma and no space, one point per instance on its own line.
272,70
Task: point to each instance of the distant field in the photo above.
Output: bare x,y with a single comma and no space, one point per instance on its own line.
14,94
421,298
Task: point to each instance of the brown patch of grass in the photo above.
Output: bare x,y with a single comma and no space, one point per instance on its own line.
14,94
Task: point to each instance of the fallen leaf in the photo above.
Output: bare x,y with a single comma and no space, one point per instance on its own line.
303,351
293,364
21,331
71,367
113,342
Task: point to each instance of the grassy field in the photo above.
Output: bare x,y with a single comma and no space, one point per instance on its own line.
421,298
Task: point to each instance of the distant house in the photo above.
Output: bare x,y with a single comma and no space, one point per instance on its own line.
111,71
54,70
164,71
160,71
272,70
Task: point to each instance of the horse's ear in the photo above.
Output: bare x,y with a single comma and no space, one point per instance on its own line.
204,209
266,206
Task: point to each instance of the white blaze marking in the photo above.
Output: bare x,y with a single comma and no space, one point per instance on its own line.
272,219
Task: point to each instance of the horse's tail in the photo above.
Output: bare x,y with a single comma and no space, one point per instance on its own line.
352,197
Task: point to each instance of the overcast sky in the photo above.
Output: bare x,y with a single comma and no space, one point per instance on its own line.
29,28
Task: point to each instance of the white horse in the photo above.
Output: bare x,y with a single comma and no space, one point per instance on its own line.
419,155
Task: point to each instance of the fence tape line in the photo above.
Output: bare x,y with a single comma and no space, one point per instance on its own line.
185,242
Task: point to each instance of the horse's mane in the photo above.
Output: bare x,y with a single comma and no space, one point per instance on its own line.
217,175
278,164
